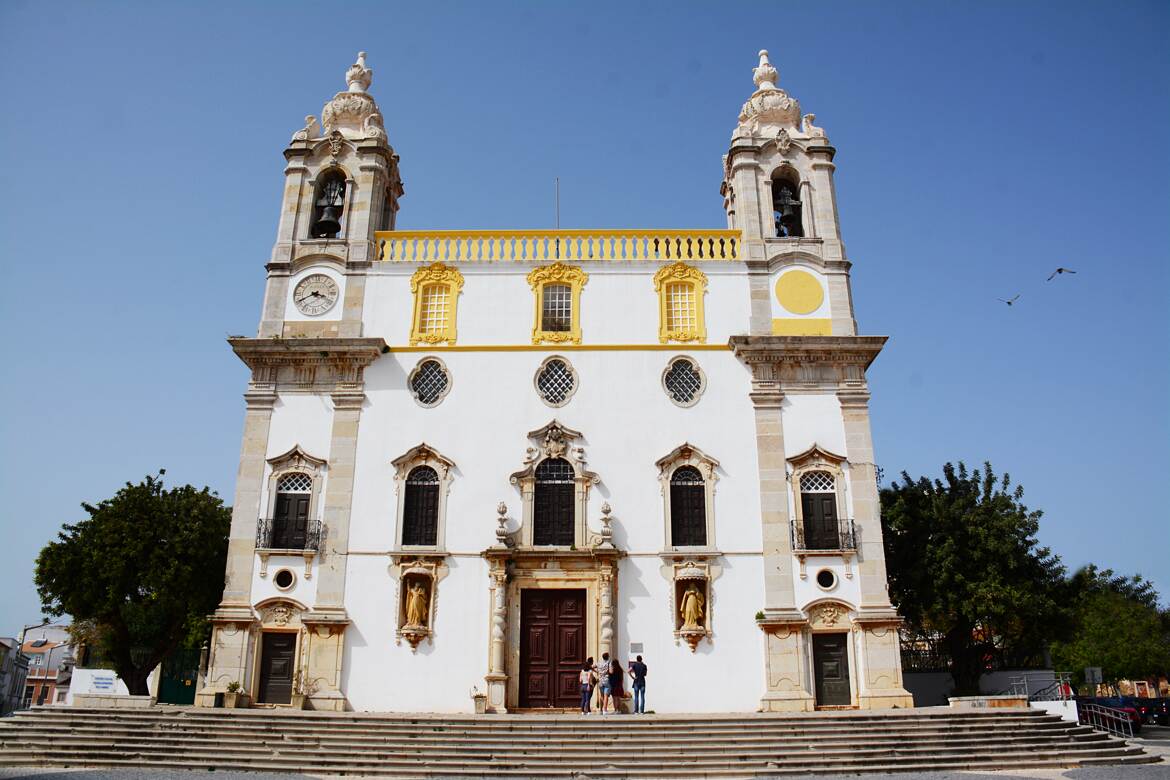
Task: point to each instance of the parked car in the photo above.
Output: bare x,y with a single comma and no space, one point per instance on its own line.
1153,710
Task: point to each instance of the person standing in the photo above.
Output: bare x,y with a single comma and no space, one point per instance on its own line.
638,672
604,681
585,679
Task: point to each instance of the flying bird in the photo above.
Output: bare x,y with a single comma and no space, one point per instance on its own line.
1009,303
1060,271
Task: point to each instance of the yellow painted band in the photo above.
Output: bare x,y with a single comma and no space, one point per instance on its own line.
572,347
803,326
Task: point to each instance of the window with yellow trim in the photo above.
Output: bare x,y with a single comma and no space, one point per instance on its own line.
680,290
557,292
436,291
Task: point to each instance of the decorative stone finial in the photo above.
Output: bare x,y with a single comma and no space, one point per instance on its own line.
358,78
502,525
606,526
765,76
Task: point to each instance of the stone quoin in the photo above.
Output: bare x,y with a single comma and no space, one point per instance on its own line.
471,459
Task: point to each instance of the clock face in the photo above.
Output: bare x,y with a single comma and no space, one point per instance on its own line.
315,294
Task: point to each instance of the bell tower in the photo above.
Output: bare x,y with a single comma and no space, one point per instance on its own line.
778,190
341,185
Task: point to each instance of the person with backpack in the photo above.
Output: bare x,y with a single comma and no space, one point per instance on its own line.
638,672
604,671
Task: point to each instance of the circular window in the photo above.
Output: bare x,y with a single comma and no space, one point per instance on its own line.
683,381
556,381
826,579
429,382
284,579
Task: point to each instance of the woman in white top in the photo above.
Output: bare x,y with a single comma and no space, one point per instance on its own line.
585,678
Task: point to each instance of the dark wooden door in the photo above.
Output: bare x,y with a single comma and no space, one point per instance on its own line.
831,668
277,651
820,521
291,521
552,647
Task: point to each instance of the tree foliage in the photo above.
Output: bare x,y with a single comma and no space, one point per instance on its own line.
140,572
965,567
1118,625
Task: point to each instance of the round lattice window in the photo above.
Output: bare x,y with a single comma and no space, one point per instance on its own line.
429,382
556,381
683,381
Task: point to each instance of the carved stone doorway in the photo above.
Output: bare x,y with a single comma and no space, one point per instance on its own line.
552,646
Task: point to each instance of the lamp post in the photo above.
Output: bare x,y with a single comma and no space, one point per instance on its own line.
20,653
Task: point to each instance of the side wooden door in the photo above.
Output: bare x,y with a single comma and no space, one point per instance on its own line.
277,654
820,521
831,669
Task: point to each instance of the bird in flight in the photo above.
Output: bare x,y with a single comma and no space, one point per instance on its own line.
1009,303
1060,271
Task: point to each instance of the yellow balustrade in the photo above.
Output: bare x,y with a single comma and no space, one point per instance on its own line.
539,246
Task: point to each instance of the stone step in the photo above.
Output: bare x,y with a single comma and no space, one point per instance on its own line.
559,745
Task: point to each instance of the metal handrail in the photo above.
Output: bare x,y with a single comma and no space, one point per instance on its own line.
846,537
1098,716
266,532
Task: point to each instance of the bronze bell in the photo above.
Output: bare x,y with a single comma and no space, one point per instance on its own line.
328,224
787,209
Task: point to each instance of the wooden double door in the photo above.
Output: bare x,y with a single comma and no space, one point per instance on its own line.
552,647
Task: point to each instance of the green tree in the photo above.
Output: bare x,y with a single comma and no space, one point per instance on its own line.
143,569
1118,625
965,569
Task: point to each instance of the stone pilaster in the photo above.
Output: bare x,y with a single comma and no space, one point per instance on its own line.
866,506
605,639
347,410
497,676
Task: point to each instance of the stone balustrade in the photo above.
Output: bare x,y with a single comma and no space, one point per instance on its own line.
540,246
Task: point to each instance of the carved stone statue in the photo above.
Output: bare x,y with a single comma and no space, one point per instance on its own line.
692,608
416,605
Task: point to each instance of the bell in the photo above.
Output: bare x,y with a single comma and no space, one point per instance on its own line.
787,214
327,226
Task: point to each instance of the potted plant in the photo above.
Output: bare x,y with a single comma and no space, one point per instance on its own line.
231,698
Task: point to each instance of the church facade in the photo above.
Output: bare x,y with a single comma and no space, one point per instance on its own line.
471,459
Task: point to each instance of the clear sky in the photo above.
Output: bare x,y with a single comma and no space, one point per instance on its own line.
980,146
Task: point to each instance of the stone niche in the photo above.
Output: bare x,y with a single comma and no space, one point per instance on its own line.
418,581
691,604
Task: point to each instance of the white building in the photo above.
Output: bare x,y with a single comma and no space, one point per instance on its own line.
473,458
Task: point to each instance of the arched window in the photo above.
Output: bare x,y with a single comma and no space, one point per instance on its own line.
420,508
688,508
552,509
786,205
818,505
328,205
680,303
290,521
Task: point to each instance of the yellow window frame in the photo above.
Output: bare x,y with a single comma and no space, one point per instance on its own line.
681,273
435,274
557,273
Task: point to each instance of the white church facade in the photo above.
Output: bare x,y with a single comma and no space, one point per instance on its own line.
471,459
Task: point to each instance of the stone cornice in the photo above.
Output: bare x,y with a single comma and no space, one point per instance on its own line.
837,350
331,364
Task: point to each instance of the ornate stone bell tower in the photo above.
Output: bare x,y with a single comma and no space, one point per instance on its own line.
341,185
803,349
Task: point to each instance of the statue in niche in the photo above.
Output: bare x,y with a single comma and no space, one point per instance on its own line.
692,608
416,604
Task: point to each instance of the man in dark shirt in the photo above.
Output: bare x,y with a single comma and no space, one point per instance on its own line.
638,672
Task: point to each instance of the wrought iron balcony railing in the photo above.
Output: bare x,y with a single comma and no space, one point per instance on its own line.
549,245
803,540
271,535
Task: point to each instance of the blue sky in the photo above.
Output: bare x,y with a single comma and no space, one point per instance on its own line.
980,145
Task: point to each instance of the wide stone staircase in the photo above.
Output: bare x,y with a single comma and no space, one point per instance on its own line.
529,746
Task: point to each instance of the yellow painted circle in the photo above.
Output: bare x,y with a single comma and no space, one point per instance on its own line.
799,292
